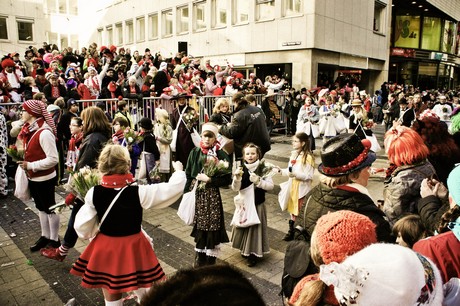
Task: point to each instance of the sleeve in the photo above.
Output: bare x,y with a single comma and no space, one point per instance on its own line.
235,129
236,184
48,144
188,170
163,194
431,210
306,172
266,184
86,221
393,193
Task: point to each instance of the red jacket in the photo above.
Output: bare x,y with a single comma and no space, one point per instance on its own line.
444,251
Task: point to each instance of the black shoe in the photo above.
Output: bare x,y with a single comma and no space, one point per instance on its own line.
252,260
54,244
289,236
200,259
39,244
211,260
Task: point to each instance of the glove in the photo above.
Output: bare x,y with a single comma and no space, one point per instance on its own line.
203,177
426,189
177,166
70,199
254,178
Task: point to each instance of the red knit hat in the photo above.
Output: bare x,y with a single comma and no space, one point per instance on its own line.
343,233
38,109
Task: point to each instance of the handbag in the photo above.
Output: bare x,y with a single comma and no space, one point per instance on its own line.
283,196
147,164
86,223
186,210
245,208
21,191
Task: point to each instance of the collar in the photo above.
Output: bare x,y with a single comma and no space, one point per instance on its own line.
117,180
354,187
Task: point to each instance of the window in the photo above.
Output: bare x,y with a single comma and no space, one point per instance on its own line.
182,19
265,10
219,13
379,17
407,31
292,7
109,35
73,7
448,37
3,28
25,31
240,11
64,41
62,6
140,28
51,6
167,21
129,31
199,17
431,38
74,41
119,33
153,26
99,36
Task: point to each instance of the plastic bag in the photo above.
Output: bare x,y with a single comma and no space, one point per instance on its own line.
283,196
21,191
245,208
186,210
174,140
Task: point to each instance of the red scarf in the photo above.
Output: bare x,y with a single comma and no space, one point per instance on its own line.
29,129
213,148
120,136
75,141
55,92
117,180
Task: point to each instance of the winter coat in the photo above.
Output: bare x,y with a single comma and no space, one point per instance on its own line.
323,199
401,190
431,209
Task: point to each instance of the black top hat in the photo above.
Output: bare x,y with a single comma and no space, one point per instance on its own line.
146,124
344,154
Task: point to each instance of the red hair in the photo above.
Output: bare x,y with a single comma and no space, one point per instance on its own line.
404,146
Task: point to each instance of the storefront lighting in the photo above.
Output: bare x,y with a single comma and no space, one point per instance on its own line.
420,6
414,2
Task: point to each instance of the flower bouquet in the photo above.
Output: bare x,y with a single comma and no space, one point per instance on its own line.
82,181
14,153
132,137
214,167
265,169
190,118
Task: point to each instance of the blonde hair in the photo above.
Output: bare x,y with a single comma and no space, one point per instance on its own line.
219,103
28,80
60,102
334,181
114,159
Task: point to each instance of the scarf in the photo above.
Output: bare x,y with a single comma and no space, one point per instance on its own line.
118,136
28,129
117,180
75,141
211,150
252,167
55,92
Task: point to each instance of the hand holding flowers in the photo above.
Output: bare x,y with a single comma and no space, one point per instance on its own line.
14,153
212,167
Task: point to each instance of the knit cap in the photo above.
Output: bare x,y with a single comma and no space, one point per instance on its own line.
38,109
343,233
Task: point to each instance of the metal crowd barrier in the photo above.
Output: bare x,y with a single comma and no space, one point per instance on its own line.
146,108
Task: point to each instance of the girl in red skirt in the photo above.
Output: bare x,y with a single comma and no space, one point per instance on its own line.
121,258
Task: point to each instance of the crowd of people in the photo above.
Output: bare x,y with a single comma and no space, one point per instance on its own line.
343,228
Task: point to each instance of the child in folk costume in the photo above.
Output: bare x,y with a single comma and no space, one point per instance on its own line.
163,133
300,171
151,157
76,130
307,121
252,241
120,258
327,124
209,227
120,125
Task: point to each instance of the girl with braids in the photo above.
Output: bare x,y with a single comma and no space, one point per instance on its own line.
443,249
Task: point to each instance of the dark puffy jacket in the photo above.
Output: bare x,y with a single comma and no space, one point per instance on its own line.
248,125
323,199
431,209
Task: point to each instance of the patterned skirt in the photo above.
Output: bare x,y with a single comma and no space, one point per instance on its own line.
209,228
253,239
118,264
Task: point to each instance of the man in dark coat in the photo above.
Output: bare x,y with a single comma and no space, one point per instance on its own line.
54,89
161,79
248,125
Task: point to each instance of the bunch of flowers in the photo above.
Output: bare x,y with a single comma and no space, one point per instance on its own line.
191,118
14,153
369,124
266,169
82,181
132,137
214,167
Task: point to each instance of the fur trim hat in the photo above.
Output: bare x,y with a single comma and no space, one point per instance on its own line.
343,233
211,127
385,274
344,154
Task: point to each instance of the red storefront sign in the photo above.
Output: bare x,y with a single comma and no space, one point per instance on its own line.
402,52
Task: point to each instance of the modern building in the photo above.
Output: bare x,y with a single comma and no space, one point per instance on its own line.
425,43
309,42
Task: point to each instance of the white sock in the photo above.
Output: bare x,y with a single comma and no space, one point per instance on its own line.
44,224
114,303
54,226
140,293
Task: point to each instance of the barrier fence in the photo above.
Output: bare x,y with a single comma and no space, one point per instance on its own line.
146,108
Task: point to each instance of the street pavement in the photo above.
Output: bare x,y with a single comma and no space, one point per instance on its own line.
29,279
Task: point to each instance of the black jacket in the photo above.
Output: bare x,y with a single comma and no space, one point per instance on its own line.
47,91
431,209
324,199
89,150
248,125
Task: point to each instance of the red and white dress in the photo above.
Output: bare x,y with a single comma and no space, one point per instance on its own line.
121,257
